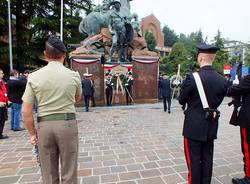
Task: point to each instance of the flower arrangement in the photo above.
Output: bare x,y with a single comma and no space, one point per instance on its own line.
119,81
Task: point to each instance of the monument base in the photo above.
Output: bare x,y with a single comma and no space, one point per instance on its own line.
144,70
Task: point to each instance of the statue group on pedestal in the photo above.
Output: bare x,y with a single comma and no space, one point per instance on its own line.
114,15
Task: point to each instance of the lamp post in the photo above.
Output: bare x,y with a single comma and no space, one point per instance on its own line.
10,37
61,26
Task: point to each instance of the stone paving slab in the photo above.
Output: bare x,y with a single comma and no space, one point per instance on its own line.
139,144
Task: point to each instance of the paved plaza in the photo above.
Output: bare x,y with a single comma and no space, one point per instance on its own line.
139,144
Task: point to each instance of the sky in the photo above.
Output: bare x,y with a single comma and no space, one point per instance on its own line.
231,17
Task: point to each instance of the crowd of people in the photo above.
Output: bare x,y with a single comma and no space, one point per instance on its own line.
56,89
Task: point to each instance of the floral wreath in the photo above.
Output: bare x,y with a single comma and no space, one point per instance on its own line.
119,81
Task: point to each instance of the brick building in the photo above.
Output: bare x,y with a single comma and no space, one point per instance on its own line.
152,24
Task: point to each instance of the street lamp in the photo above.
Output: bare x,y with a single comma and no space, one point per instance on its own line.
10,37
61,27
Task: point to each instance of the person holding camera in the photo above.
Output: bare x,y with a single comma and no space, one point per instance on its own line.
201,124
242,91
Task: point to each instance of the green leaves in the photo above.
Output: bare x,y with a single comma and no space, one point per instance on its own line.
151,41
183,52
35,20
170,37
247,56
222,56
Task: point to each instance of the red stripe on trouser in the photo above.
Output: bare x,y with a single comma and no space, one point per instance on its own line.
188,160
246,152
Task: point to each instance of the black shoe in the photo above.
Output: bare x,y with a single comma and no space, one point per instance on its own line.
236,181
241,180
165,110
18,129
4,137
169,111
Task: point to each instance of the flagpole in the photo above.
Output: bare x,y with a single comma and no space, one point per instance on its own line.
10,37
61,26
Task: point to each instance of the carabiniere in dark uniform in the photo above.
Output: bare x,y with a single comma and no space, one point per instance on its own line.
200,127
242,91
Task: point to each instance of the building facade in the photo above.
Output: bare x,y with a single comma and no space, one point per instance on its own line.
236,49
152,24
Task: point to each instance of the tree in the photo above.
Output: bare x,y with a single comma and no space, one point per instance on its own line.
190,42
3,35
34,21
170,37
222,57
177,56
151,41
184,52
247,56
166,66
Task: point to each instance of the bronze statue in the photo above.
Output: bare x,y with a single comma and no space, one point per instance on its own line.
118,31
93,22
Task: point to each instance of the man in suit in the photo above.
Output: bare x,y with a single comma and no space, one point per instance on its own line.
200,130
243,91
166,92
87,89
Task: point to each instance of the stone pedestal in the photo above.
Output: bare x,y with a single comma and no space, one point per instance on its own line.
145,73
93,66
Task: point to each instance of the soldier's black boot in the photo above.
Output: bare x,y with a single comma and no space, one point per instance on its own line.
241,180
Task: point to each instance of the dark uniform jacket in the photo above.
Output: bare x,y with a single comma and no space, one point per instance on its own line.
87,87
108,82
196,127
165,87
15,90
243,90
129,83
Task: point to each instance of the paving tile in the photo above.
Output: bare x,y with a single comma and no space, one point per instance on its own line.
157,180
150,165
30,178
109,178
9,179
134,167
129,176
167,170
84,172
101,171
173,179
28,170
127,182
117,169
150,173
121,145
91,180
